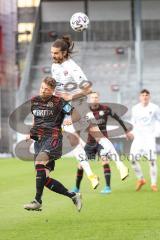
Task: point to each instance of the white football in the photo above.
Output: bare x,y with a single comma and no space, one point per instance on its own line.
79,21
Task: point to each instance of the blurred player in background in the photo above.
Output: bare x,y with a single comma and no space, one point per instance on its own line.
101,113
66,72
48,111
144,117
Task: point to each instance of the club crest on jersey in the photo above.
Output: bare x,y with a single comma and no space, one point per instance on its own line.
65,73
50,104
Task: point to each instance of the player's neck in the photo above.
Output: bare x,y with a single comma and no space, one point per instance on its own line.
45,98
65,59
94,106
145,104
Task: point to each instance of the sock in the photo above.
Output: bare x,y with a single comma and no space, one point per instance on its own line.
81,156
58,187
79,177
107,174
153,172
40,181
137,169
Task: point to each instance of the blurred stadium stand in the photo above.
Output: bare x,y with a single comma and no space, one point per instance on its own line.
8,70
96,48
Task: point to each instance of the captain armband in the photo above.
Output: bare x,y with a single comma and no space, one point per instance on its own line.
67,109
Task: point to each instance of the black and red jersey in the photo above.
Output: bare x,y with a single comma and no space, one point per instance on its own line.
48,115
101,115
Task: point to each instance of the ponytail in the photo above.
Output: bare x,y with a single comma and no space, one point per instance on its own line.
65,44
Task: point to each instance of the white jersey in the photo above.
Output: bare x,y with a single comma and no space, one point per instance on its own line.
68,75
144,120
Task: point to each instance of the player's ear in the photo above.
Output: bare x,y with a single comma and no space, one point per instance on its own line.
65,53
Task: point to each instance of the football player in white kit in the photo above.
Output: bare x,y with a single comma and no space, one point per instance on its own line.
67,73
144,117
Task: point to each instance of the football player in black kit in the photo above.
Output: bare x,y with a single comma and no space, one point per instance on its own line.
48,112
101,113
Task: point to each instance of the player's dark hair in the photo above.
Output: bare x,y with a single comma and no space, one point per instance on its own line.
49,81
65,44
95,93
145,91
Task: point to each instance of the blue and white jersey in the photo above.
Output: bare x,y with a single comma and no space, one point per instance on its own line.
144,119
68,76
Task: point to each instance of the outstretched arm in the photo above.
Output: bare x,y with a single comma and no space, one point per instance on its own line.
84,87
128,134
119,120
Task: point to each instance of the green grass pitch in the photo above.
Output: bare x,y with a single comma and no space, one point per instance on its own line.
122,215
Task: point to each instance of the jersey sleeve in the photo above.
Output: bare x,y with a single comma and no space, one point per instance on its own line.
108,111
157,113
117,118
32,103
133,118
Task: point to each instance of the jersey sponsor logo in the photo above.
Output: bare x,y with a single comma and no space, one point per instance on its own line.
42,113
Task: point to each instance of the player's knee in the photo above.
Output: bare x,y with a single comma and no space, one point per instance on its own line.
79,166
104,160
42,158
104,153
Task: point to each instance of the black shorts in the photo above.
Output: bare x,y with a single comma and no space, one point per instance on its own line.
51,146
92,150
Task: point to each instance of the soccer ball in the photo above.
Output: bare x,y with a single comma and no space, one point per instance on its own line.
79,21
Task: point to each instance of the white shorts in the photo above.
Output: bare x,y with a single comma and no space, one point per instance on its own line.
143,147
